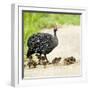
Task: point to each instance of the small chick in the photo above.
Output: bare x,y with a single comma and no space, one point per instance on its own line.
31,62
56,60
69,60
44,61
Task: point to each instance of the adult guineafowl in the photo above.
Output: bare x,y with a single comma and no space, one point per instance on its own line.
42,43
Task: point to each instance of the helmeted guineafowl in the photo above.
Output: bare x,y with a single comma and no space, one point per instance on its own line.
42,43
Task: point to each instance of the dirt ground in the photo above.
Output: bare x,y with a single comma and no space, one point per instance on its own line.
69,45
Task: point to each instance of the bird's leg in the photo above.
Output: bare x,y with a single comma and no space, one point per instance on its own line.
46,59
39,57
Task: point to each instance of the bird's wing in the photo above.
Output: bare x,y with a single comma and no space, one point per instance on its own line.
40,42
46,43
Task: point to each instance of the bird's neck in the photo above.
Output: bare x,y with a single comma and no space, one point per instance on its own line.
55,35
55,39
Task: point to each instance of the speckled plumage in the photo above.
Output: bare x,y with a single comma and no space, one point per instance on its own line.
42,43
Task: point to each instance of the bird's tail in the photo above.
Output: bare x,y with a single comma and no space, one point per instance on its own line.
28,53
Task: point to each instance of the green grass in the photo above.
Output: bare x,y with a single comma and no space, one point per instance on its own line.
34,22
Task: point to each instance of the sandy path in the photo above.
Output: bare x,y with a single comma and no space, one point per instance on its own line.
69,42
69,45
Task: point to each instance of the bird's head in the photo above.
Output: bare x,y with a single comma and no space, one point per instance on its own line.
55,28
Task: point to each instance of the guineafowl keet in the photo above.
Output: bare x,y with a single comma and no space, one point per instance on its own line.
56,60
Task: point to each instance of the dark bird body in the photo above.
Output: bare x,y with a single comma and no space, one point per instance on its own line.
42,43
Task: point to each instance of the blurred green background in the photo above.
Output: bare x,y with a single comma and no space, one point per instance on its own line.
35,21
